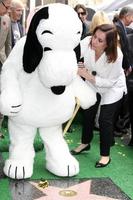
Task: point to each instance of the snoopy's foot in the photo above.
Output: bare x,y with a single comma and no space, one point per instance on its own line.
64,168
16,169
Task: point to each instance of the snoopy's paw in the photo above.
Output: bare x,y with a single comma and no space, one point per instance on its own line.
64,168
18,169
10,104
11,110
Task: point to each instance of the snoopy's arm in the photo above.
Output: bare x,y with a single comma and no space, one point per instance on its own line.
84,93
10,99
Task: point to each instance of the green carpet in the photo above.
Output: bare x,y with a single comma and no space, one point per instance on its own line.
120,169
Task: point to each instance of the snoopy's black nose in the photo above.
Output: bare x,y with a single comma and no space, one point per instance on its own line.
58,89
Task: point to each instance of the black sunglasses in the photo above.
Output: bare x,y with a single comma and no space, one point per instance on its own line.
5,5
81,13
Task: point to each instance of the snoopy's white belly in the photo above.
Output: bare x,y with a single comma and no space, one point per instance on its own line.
42,108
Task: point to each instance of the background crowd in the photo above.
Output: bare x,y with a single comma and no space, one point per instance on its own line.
106,64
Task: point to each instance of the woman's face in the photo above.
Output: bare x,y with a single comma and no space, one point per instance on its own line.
99,41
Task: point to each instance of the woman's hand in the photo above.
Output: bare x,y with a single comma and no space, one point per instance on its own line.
83,72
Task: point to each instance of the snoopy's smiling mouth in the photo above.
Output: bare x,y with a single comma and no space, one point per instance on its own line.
58,89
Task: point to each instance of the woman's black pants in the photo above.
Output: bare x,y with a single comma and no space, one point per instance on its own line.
106,124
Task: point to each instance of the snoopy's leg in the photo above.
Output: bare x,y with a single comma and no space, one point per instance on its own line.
59,161
21,151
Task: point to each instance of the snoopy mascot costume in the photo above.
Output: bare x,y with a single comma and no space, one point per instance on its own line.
39,83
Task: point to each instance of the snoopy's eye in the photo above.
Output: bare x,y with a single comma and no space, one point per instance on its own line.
78,32
46,31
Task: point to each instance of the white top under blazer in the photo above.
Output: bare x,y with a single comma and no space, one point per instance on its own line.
110,77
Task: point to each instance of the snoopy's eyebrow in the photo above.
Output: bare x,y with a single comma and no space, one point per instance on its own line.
47,31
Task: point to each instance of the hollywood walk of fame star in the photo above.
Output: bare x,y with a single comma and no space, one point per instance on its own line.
82,191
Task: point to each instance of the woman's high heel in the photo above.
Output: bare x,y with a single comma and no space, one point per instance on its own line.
100,165
73,152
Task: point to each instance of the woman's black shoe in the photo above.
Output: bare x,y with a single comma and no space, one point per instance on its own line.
99,165
73,152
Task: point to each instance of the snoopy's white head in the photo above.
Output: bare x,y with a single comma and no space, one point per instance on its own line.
52,44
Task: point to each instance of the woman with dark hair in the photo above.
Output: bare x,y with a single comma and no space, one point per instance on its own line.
102,71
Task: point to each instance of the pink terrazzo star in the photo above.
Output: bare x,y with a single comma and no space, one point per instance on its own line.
82,190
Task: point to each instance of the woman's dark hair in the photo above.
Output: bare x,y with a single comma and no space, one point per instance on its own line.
111,40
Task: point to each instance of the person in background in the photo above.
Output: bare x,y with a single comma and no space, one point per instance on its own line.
103,72
124,19
82,13
15,14
5,36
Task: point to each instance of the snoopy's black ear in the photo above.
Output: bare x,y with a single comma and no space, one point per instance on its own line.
33,50
78,52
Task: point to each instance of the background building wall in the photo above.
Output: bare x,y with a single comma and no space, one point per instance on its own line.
88,3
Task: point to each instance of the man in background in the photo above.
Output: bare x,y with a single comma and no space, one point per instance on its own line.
5,35
122,21
15,14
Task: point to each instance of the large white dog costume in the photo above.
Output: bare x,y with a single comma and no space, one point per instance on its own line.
39,83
